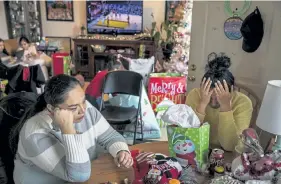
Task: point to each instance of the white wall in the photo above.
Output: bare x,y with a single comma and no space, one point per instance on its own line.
53,28
72,29
3,27
252,69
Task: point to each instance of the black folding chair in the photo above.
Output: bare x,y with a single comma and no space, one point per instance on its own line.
123,82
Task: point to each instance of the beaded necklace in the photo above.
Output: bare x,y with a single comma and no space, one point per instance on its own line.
237,12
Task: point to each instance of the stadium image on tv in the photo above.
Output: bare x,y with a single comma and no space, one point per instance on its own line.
119,16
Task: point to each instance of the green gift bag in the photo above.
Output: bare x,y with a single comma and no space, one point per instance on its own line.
190,146
66,65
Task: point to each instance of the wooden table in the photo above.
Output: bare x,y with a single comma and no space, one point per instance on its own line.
104,169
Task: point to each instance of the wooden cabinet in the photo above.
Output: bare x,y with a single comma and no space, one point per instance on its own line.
88,62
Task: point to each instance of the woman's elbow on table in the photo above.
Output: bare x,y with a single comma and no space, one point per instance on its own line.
74,172
77,176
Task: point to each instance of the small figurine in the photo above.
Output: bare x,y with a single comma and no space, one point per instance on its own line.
250,139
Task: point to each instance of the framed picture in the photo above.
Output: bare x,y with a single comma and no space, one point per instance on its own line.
62,43
174,10
59,10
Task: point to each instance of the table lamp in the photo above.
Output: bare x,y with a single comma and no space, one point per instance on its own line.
269,118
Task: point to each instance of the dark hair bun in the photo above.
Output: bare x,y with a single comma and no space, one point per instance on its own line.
217,63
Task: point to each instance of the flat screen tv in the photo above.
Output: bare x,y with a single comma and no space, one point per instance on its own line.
107,17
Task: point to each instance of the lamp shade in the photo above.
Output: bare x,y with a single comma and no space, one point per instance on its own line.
269,118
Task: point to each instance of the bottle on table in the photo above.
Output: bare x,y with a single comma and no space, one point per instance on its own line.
174,181
219,171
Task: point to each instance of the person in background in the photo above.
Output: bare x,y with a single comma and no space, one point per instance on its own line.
3,51
31,57
227,111
95,87
57,138
91,99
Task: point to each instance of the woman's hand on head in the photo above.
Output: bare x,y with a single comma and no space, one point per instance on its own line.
224,96
205,91
124,159
64,119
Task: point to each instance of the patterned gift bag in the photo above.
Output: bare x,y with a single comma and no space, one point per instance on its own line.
66,65
190,146
171,86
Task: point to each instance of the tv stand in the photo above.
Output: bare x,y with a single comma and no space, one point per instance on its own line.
88,62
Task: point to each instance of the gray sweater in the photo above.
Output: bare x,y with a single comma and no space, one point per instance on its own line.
52,157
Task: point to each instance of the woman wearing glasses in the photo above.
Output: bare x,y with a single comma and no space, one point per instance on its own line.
59,136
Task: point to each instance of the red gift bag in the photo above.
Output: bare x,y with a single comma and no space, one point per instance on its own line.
166,85
58,63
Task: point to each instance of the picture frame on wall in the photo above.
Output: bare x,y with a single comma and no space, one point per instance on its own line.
174,10
59,10
62,43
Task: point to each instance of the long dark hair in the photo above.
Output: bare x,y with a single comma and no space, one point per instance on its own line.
23,38
55,93
4,50
217,69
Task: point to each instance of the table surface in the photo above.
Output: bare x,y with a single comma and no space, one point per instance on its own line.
104,169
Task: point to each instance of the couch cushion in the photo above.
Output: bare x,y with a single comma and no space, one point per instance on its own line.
11,45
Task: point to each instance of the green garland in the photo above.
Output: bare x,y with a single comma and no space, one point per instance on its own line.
237,12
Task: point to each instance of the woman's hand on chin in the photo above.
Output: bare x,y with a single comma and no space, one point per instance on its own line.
124,159
64,118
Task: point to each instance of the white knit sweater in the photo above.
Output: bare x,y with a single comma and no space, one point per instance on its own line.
43,148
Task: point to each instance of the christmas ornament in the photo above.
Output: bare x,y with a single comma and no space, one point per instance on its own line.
232,28
237,12
233,24
110,37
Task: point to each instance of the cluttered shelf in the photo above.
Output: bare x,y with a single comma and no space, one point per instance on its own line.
91,54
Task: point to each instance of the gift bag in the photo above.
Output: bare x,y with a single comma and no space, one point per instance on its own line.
66,65
190,146
166,85
61,63
3,84
161,109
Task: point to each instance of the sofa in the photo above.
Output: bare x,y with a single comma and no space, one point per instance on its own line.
11,46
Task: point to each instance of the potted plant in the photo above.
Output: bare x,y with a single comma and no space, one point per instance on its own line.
164,37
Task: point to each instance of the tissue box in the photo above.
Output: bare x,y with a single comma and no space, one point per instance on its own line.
190,146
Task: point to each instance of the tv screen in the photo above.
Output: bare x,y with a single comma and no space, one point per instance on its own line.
123,17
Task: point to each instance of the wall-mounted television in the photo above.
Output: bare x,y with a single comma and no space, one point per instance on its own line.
122,17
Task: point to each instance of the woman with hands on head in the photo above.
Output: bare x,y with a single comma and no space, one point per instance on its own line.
227,111
58,137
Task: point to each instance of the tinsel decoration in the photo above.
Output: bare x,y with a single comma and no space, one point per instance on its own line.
178,62
111,37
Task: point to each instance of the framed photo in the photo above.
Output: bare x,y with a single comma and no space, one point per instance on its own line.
174,10
62,43
59,10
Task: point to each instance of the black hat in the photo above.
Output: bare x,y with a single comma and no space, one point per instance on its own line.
252,31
